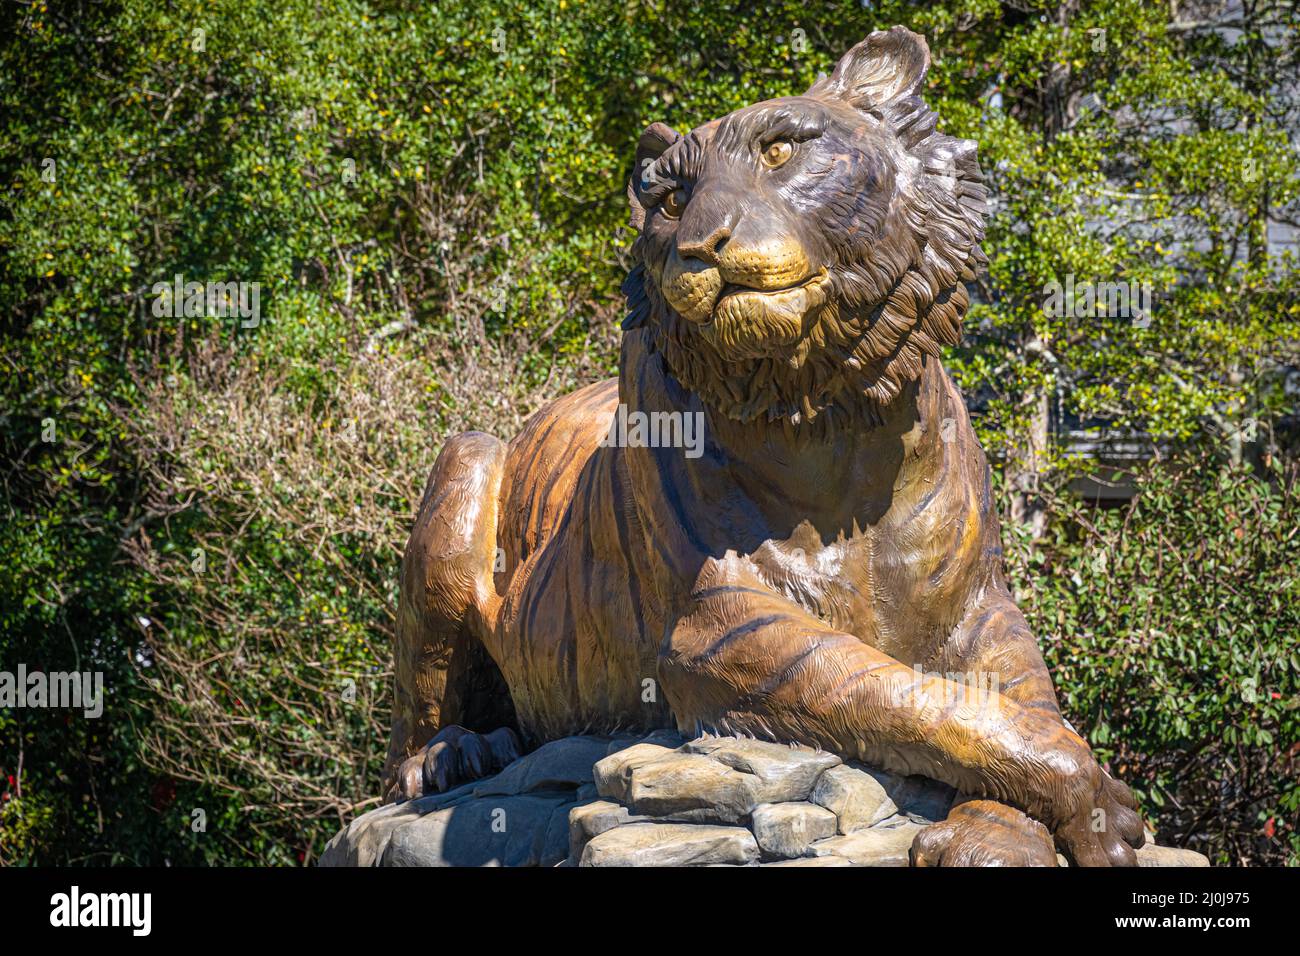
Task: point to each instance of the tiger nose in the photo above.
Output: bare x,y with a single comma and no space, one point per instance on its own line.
707,248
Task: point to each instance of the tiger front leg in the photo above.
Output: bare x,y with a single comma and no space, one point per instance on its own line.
994,646
745,659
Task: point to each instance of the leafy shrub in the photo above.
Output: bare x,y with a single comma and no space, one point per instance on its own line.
1170,627
283,518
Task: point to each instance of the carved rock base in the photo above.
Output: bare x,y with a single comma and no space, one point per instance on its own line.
662,801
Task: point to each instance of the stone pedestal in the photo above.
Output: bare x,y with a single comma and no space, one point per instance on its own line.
662,801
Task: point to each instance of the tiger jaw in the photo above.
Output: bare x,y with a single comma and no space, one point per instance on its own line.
746,320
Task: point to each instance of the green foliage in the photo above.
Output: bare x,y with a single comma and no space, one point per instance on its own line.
432,199
1170,627
1122,150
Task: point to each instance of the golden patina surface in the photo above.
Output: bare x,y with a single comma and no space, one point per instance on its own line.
825,565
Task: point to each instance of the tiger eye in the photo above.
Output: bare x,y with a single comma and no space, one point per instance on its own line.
777,153
674,202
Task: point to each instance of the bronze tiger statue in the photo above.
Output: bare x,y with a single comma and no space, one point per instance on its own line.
825,559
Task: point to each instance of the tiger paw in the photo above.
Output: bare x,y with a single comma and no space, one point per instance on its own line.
453,757
984,833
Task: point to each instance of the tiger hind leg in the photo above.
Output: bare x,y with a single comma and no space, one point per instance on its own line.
443,676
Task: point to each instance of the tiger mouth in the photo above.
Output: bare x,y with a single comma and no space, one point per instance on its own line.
740,293
751,322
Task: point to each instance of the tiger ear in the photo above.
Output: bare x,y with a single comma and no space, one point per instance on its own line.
656,138
885,66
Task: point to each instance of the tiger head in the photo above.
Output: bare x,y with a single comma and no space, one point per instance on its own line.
805,254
